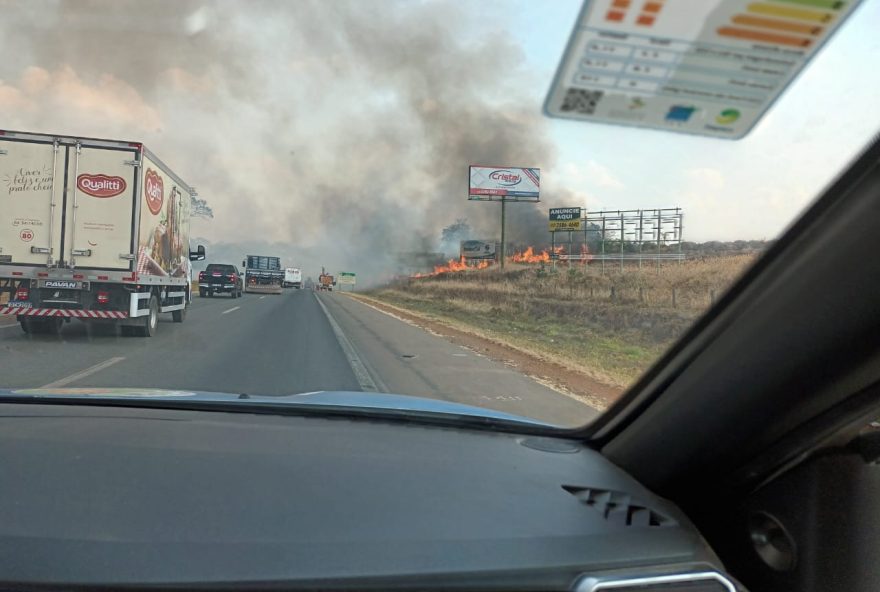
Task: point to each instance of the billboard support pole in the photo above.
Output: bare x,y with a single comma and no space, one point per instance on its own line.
503,240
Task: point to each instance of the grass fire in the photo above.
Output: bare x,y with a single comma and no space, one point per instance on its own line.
529,255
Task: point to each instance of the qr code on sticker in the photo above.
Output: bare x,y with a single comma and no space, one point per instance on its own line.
581,100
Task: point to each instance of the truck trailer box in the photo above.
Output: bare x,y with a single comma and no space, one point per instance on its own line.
91,229
292,278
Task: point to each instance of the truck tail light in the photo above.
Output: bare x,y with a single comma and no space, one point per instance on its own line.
201,275
232,277
103,297
22,293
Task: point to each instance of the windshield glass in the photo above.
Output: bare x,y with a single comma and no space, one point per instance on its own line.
443,199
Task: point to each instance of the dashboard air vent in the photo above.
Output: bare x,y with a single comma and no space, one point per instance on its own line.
619,507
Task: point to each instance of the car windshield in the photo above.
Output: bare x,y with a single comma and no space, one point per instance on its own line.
513,205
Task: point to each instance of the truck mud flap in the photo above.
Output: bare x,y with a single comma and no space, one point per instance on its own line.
135,309
173,307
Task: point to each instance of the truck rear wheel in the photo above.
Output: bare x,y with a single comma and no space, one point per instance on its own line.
151,321
202,292
50,326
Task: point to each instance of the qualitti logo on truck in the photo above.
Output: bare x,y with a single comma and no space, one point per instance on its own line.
154,191
100,185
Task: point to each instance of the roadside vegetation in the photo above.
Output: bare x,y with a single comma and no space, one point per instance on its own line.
610,324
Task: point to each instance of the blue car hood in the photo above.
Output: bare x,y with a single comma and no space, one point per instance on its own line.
332,400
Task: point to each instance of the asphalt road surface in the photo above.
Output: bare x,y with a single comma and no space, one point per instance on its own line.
301,341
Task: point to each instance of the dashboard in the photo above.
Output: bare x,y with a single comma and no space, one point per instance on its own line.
97,496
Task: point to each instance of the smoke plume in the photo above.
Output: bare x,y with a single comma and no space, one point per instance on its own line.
341,131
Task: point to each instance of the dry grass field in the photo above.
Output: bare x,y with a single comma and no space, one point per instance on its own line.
610,324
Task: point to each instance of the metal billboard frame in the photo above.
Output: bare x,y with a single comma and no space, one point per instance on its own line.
658,226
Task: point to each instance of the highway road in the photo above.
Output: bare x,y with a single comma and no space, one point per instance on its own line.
300,341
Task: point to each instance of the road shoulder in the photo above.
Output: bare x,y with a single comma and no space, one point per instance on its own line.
551,374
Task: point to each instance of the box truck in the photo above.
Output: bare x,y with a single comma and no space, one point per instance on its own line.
293,278
96,230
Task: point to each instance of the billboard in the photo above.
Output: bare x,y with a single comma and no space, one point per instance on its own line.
346,278
565,219
488,183
478,249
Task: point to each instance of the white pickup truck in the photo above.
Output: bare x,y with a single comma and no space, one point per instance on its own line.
96,230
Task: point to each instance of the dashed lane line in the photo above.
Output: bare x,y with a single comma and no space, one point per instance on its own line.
83,373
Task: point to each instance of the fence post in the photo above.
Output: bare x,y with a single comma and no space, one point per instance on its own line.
673,297
641,295
613,293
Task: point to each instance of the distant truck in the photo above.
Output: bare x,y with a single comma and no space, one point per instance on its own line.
96,230
326,282
293,278
221,278
262,274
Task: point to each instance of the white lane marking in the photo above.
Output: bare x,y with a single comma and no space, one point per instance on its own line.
7,326
230,310
83,373
261,297
365,380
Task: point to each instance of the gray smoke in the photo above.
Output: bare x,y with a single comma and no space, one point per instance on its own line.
342,130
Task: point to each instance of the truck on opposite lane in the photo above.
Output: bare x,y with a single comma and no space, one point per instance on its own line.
96,230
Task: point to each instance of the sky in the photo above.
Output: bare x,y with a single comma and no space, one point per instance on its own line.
340,131
747,189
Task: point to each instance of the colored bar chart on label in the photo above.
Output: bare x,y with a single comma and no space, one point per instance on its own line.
711,67
801,14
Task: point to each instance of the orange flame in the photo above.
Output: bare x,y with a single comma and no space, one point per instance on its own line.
529,255
453,265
